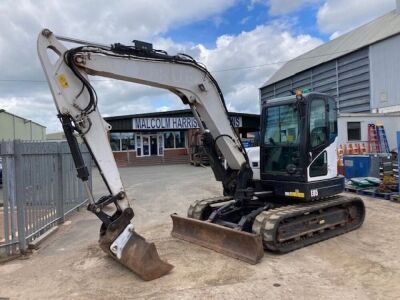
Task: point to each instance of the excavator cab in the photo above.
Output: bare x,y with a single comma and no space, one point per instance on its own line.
298,147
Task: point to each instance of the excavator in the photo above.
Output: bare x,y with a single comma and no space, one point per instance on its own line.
281,196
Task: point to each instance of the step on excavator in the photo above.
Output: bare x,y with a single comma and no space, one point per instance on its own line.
281,196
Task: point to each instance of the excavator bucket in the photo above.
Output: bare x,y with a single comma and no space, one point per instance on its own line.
238,244
132,251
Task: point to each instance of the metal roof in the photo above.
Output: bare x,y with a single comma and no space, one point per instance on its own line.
3,111
379,29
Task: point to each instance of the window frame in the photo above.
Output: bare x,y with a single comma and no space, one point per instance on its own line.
359,131
120,141
173,132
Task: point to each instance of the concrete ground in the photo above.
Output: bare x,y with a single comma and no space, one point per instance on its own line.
364,264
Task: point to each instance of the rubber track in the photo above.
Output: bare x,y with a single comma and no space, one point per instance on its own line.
196,209
267,223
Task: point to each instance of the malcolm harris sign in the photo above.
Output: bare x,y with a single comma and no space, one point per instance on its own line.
174,123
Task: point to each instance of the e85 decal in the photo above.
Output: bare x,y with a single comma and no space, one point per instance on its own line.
314,193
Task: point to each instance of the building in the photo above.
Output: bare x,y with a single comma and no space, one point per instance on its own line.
163,137
353,127
361,69
56,136
13,127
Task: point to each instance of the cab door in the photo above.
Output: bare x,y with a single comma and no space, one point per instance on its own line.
322,124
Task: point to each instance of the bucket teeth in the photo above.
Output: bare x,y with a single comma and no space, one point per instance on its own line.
238,244
132,251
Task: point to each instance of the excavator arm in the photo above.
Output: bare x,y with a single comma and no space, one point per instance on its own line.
76,103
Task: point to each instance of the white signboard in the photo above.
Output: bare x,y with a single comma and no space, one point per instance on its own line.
174,122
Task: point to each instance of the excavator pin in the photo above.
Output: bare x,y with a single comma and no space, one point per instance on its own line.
237,244
132,251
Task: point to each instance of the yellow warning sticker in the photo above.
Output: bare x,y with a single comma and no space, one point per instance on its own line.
295,194
63,81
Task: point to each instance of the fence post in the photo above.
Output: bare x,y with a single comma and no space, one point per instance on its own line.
60,184
398,158
9,182
20,196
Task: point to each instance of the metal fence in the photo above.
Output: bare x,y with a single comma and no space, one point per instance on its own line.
40,188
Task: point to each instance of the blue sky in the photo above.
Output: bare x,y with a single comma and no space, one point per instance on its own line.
241,17
246,37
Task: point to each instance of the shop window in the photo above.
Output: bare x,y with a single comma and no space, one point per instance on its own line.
354,131
122,141
115,141
169,140
127,141
180,139
174,139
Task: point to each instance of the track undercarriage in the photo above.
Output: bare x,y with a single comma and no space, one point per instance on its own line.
243,230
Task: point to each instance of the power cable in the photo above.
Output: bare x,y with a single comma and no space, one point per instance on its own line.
212,71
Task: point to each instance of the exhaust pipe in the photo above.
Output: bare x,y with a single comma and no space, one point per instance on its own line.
241,245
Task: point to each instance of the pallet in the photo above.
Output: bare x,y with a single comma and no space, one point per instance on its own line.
368,192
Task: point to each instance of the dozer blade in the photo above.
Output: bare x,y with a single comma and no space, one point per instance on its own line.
238,244
132,251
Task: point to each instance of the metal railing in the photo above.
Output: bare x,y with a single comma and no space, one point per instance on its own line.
40,188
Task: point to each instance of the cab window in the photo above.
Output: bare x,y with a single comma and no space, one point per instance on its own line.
319,167
333,132
281,125
318,130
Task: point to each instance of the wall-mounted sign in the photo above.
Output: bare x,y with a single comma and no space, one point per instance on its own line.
174,122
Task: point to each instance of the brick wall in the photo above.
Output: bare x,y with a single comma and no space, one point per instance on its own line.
171,156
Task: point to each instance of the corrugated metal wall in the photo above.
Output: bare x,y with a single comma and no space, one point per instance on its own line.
385,74
346,78
14,127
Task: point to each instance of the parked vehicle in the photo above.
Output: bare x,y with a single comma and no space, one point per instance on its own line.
295,201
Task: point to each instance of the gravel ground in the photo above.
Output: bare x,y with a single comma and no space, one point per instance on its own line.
363,264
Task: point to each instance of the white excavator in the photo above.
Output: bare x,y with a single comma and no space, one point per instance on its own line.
284,197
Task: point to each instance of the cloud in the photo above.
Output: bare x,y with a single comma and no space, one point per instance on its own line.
336,17
259,49
99,21
282,7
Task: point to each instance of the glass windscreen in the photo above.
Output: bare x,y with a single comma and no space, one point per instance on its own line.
281,139
282,126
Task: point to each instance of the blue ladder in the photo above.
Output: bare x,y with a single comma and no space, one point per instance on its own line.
380,130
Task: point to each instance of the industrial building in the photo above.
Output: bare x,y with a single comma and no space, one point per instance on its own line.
361,69
13,127
163,137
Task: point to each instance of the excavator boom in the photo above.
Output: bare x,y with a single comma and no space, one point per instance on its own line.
76,102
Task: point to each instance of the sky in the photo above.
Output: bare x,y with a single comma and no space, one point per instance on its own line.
241,42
